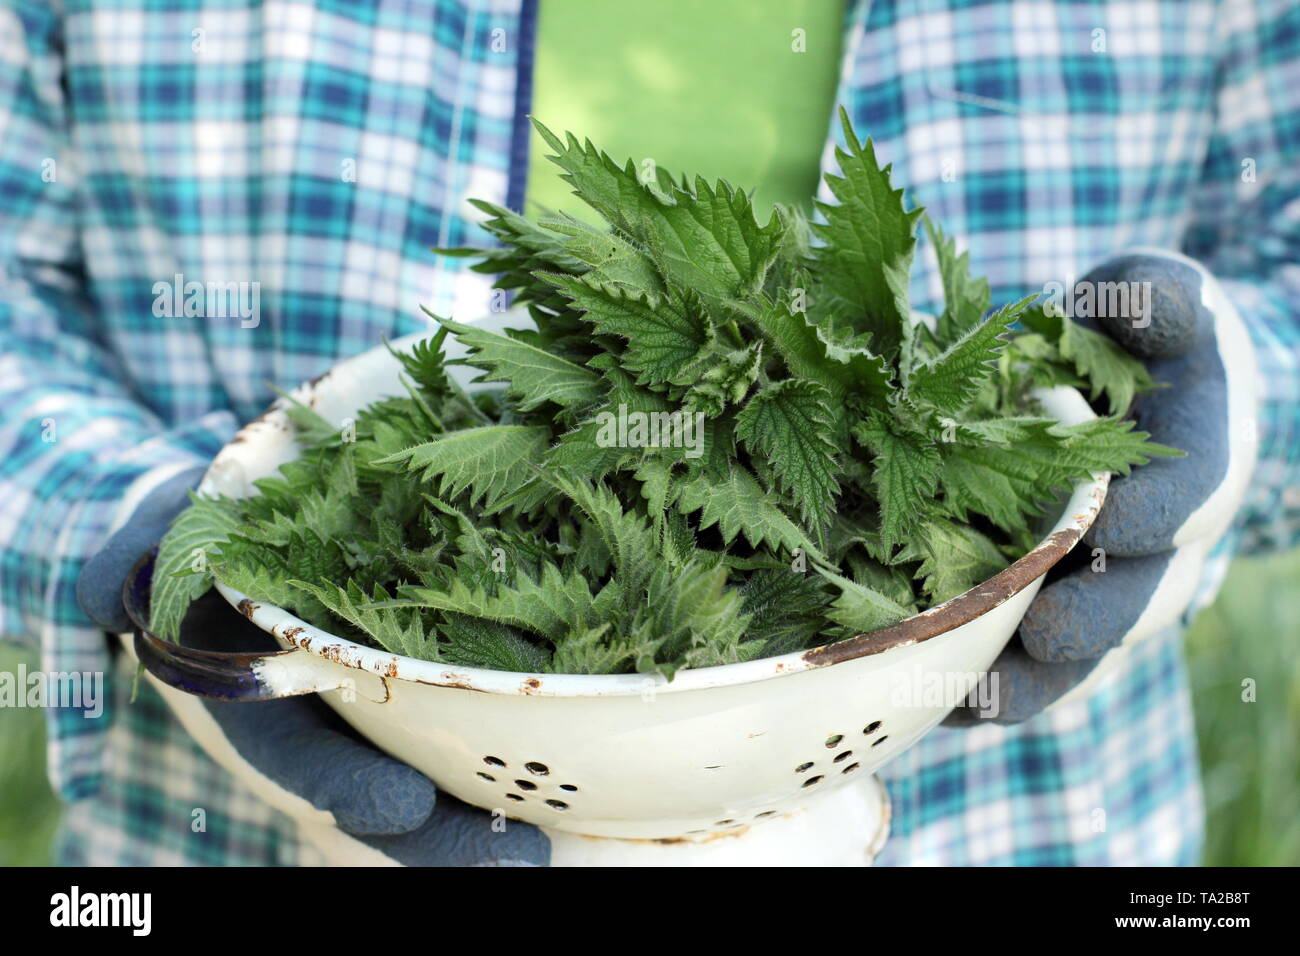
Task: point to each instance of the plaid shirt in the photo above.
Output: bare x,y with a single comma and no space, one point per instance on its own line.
320,147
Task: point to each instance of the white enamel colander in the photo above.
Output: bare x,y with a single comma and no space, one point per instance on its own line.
769,760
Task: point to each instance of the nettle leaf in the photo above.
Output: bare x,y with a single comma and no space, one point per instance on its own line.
584,450
550,607
999,431
625,533
793,338
952,379
397,630
788,423
1107,444
424,364
593,651
953,558
546,246
785,609
974,483
868,372
606,257
738,505
691,616
869,240
710,241
534,375
862,609
905,475
1103,363
965,299
891,581
489,462
665,335
472,642
1012,481
727,381
180,572
312,428
707,240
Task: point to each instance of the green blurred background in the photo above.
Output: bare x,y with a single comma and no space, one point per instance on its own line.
1250,751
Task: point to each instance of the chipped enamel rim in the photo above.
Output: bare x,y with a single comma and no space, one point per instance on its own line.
1065,404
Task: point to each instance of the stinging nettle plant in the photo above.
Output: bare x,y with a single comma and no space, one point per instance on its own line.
856,465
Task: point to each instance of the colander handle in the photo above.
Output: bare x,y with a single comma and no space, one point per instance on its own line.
222,675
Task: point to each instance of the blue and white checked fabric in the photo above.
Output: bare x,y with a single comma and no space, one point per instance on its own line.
320,147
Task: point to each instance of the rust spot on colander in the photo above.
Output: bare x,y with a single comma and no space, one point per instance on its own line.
446,679
962,609
726,834
530,686
321,377
450,679
246,608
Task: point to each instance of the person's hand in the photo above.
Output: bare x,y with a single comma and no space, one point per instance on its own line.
1158,523
296,752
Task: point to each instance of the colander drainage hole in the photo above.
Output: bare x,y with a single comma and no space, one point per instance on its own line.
537,769
879,741
833,741
840,758
803,767
515,797
557,804
871,728
525,785
494,761
850,768
487,776
764,814
569,787
724,823
812,781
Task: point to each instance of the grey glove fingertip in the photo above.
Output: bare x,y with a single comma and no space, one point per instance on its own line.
461,835
1164,320
99,585
371,794
1086,613
1146,509
1025,687
292,742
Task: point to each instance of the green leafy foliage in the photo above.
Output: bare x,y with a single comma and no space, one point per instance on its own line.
870,237
966,299
720,439
1095,359
789,423
488,461
180,572
951,380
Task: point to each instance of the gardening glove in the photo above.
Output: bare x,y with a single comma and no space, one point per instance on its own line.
1144,554
354,802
